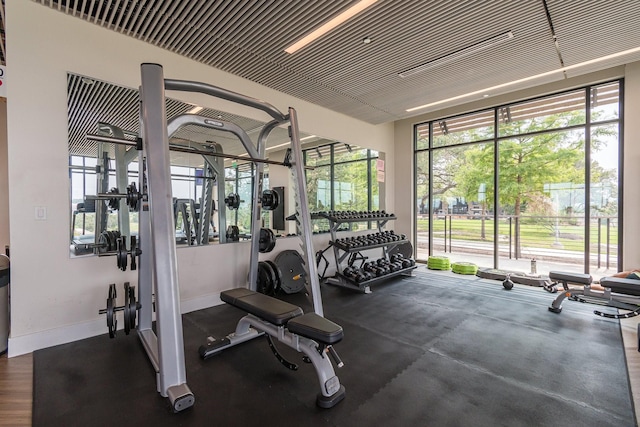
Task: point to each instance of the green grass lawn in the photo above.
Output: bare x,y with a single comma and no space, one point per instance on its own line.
570,237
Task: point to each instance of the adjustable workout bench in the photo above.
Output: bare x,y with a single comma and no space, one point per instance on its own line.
618,293
308,333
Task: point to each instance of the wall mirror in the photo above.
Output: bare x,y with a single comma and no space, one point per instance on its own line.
97,107
344,177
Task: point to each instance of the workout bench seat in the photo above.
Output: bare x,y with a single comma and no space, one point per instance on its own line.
577,278
621,285
281,313
272,310
317,328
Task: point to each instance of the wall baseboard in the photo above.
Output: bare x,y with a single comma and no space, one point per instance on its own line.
29,343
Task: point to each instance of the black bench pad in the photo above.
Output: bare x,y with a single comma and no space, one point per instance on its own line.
265,307
562,276
317,328
622,286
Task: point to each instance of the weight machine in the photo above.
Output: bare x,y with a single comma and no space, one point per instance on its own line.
158,261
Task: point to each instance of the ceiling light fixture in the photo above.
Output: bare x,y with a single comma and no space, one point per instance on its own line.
285,144
366,40
330,25
278,146
195,110
526,79
459,54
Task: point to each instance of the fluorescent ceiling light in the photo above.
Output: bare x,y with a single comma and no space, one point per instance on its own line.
286,144
278,146
195,110
330,25
459,54
526,79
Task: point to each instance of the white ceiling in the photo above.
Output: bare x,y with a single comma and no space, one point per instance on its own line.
343,74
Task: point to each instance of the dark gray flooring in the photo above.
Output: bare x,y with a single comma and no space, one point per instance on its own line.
437,349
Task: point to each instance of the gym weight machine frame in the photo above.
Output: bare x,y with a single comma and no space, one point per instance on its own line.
158,263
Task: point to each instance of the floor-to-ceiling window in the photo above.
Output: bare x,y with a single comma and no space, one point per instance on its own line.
551,167
341,178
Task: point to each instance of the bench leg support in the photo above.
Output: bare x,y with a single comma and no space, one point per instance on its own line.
250,326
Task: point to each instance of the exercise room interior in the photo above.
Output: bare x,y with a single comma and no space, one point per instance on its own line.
394,194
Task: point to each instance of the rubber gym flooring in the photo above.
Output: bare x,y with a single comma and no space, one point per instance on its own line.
437,349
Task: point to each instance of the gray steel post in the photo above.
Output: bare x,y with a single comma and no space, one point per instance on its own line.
255,220
145,271
172,373
303,213
257,195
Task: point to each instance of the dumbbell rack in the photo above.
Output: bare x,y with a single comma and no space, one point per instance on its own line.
341,252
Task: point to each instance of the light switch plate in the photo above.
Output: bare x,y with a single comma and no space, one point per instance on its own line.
40,213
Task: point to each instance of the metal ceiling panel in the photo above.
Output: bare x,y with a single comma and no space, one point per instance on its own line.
91,102
338,71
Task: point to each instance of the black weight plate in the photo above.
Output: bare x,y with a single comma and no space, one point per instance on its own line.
112,322
291,265
273,278
133,197
134,253
127,311
133,305
232,201
233,233
265,283
130,308
278,275
267,240
114,202
121,255
270,200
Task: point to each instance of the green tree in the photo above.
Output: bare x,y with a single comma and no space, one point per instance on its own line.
527,161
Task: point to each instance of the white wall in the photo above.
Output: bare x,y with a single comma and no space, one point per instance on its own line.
4,178
56,299
631,243
404,181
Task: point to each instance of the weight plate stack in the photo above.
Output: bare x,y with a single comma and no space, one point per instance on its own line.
112,322
278,276
467,268
291,265
266,279
130,308
438,263
233,233
270,200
